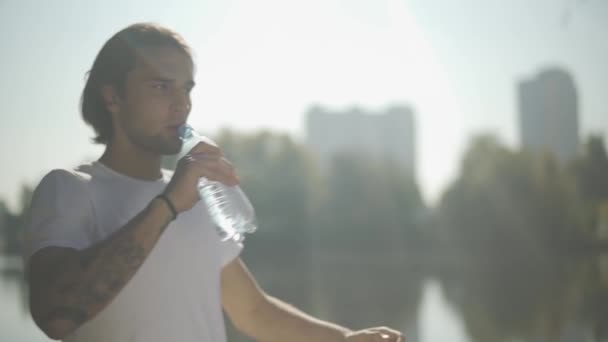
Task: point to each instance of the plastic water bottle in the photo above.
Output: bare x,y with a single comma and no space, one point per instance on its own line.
229,208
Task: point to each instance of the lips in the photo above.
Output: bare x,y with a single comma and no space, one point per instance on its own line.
174,129
176,125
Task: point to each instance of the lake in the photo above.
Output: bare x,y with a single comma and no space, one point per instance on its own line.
563,299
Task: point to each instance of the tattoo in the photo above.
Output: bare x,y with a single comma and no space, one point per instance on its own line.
87,259
65,313
109,268
100,273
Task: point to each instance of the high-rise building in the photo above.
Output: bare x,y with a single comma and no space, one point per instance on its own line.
389,134
548,113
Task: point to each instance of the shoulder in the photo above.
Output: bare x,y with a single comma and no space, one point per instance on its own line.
60,213
78,175
63,181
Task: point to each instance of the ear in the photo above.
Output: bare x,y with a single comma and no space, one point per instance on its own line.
110,98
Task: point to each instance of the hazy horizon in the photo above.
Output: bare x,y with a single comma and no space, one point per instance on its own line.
261,65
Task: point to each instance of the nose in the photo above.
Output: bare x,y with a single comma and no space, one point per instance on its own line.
181,103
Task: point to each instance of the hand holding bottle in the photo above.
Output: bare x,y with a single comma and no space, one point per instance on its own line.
229,208
203,160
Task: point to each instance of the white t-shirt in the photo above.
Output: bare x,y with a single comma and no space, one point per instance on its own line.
175,295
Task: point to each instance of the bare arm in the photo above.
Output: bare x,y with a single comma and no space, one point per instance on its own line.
266,318
69,287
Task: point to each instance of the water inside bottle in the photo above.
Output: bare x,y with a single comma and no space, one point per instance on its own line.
229,208
217,205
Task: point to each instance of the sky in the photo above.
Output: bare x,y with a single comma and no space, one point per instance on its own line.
261,64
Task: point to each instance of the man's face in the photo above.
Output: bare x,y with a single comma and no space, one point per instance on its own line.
156,100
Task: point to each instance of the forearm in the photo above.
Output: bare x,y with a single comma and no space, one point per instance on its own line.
275,320
85,286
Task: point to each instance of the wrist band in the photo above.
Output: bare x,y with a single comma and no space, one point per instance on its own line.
169,204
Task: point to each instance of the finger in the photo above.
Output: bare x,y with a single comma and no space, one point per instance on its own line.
219,177
386,338
217,170
222,165
373,336
380,337
389,334
223,162
392,337
204,156
204,147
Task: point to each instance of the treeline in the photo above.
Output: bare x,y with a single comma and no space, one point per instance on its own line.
11,223
495,241
355,202
506,199
352,203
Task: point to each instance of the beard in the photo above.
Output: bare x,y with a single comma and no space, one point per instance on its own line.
158,144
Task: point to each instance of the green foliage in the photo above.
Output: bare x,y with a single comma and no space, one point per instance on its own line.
591,172
280,179
505,199
11,224
357,202
359,223
370,205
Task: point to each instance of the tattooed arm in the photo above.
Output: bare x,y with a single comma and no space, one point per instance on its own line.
68,287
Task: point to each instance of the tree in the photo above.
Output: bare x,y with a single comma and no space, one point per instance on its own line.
504,199
12,225
591,171
281,180
370,205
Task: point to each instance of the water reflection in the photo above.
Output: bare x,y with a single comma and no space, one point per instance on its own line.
553,299
12,277
15,322
516,298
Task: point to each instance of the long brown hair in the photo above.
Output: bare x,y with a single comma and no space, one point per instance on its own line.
115,59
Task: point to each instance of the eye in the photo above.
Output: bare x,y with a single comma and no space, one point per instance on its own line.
160,85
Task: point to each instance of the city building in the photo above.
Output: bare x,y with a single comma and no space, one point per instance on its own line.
548,113
389,134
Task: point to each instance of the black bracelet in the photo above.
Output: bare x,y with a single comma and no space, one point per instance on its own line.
169,204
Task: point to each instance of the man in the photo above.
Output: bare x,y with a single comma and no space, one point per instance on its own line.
121,250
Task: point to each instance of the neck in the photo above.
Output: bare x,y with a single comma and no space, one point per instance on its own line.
132,161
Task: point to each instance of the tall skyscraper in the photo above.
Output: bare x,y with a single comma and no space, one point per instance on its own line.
548,113
389,134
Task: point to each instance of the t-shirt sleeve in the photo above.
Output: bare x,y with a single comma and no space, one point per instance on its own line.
59,215
230,250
